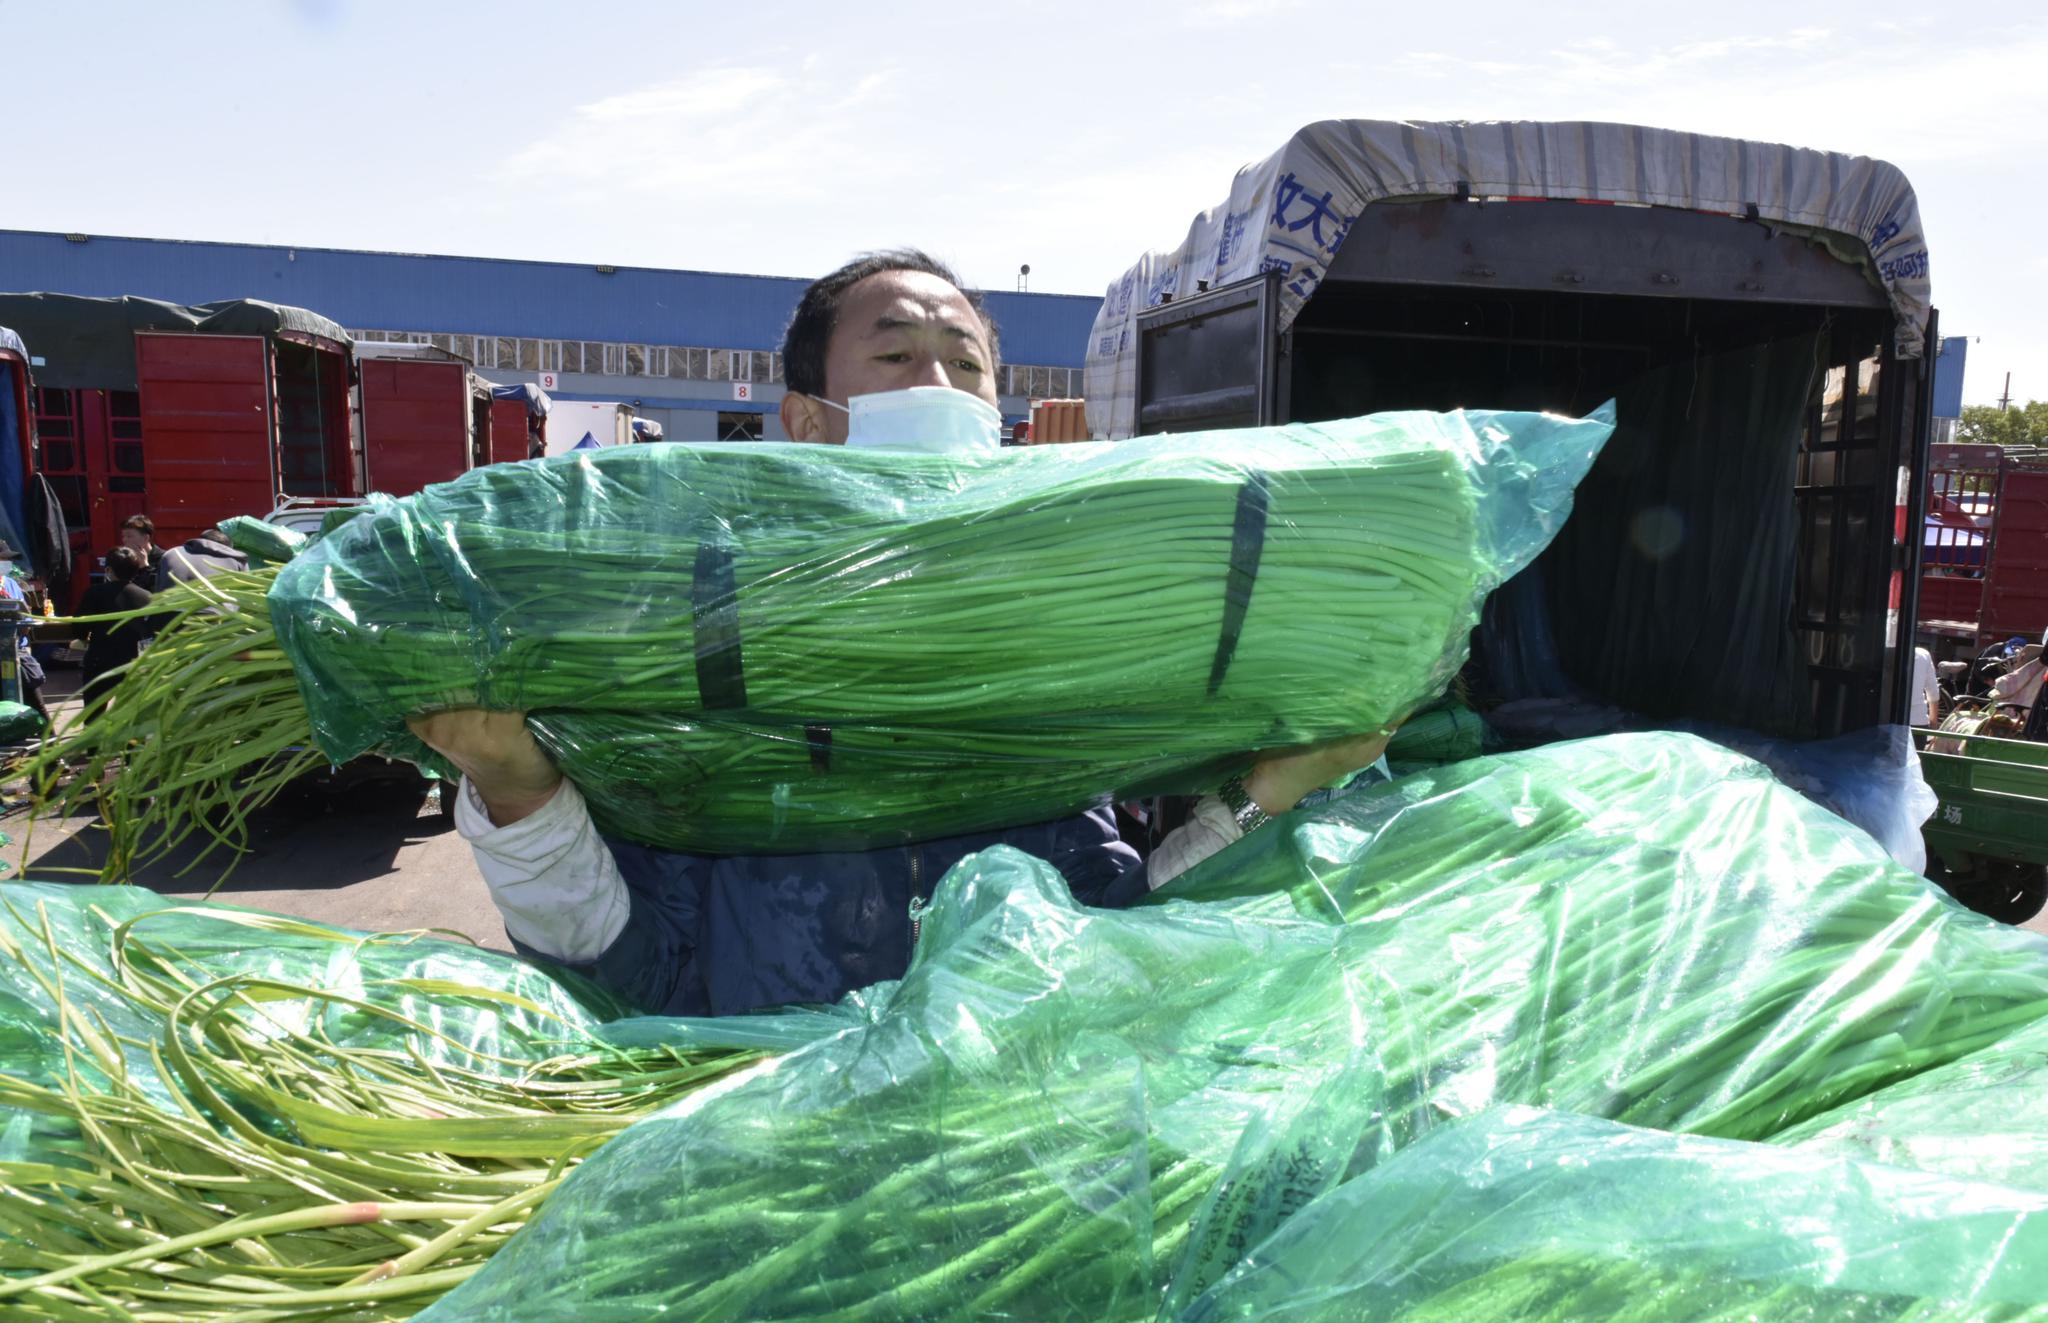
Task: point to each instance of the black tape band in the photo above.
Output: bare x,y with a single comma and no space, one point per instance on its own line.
715,615
820,740
1247,543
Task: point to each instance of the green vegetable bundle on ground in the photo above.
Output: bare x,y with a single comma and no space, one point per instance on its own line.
785,648
214,1113
1064,1113
1298,1084
1527,1216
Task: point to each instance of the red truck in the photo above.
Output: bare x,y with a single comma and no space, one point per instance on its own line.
426,416
1984,561
187,414
192,414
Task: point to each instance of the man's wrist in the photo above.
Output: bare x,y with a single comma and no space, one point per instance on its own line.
508,804
1267,787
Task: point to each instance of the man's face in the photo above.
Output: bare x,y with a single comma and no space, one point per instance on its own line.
896,330
135,540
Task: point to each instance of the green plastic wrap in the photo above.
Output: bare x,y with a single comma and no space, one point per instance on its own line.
1066,1113
18,721
531,1014
1526,1216
263,542
777,648
1450,733
1983,1118
206,1111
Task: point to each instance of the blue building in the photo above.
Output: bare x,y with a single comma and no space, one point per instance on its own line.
692,350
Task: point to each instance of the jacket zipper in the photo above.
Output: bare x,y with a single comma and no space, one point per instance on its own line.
917,899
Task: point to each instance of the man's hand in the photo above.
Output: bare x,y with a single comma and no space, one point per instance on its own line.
497,753
1281,777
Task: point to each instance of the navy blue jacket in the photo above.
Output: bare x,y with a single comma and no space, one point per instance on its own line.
718,935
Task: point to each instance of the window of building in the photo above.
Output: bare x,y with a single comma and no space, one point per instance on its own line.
739,426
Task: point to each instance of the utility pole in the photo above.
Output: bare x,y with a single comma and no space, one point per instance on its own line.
2005,400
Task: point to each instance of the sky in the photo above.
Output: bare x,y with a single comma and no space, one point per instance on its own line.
782,138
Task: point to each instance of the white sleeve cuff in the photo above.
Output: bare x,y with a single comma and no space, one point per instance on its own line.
1209,828
550,874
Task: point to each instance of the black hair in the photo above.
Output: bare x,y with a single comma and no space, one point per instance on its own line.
142,524
213,534
817,313
123,564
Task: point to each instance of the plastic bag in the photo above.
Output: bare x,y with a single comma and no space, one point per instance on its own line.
1980,1118
19,722
1448,733
754,649
1066,1113
1527,1216
1872,777
52,933
263,542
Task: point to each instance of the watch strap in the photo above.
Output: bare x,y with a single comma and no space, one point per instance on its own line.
1250,817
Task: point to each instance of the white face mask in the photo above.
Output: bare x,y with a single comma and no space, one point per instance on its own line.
936,420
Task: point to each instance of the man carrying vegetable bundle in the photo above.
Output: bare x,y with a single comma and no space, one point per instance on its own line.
888,351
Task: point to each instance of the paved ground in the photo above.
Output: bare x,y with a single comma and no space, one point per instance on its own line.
378,858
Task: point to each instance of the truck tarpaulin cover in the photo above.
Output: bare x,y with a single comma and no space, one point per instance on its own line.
783,648
1291,211
89,344
1615,1029
535,399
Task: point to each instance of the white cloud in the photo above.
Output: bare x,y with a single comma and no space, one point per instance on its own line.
733,136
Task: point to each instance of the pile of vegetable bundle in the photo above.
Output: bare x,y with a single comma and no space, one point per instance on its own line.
208,1112
783,648
1494,1041
1527,1216
1064,1113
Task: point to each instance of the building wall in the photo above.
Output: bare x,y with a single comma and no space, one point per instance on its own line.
676,340
684,388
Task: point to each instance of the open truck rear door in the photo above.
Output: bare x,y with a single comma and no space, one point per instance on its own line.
209,418
417,420
1759,313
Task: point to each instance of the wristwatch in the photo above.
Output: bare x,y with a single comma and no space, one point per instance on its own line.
1250,817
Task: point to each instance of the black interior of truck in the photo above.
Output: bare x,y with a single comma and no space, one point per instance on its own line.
315,457
1734,557
1719,564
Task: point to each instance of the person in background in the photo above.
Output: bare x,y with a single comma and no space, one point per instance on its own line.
683,934
2037,716
200,558
1926,689
2021,685
138,534
30,669
109,644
